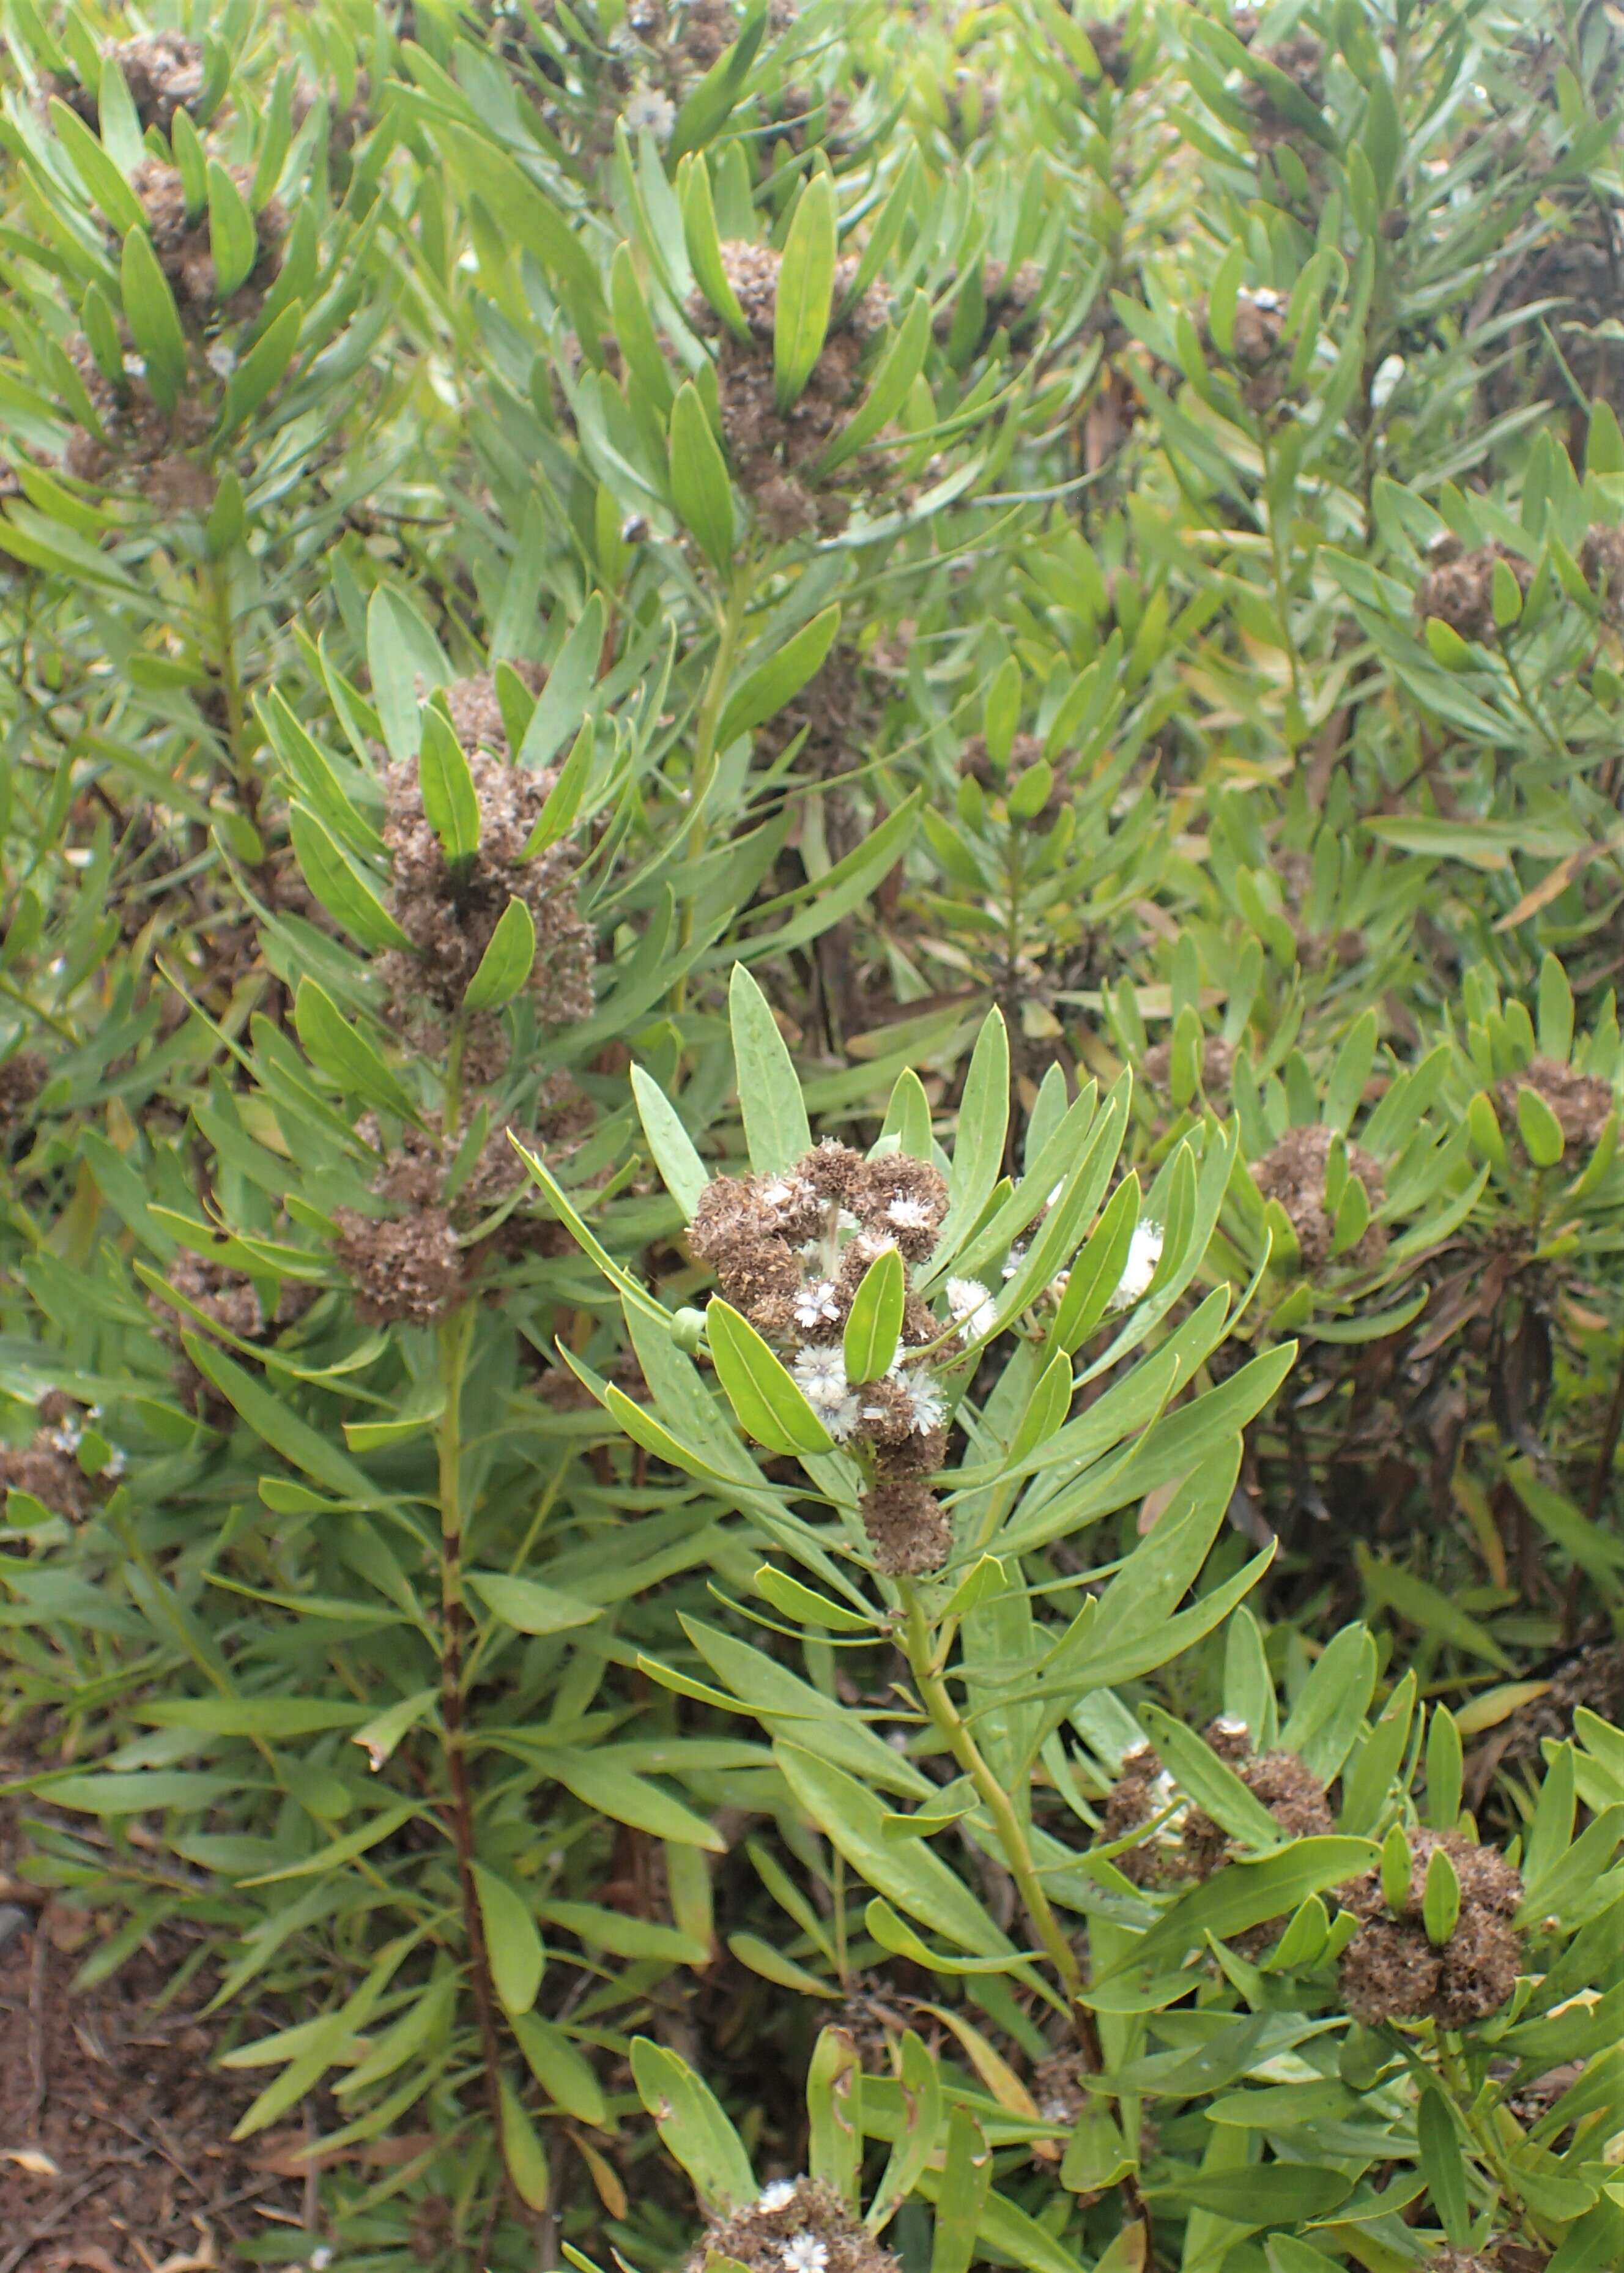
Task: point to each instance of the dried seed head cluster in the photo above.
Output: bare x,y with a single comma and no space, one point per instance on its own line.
1217,1064
183,244
136,432
1026,751
1294,1174
449,913
1459,588
164,73
22,1078
1594,1678
1057,2087
1258,348
790,1252
1189,1845
1391,1971
1601,563
48,1467
794,2226
772,450
230,1300
407,1271
1580,1101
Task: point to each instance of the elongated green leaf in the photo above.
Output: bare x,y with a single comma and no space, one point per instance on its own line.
512,1943
522,2152
768,1401
504,966
805,288
276,1424
563,2071
874,1323
700,487
337,881
449,800
343,1052
153,320
906,1872
683,1173
232,242
97,169
529,1608
776,1128
601,1782
694,2127
781,678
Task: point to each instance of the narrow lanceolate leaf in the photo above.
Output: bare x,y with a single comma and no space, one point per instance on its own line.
806,287
776,1128
780,679
1246,1893
700,489
97,169
337,1045
767,1400
511,1941
153,320
506,963
233,243
1440,1899
339,884
693,2125
1046,1408
450,803
681,1170
874,1323
522,2152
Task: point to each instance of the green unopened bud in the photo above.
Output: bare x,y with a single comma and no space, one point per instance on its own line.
687,1326
1395,1869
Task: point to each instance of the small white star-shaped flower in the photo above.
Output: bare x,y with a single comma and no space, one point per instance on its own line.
775,2197
816,1305
804,2253
910,1215
970,1305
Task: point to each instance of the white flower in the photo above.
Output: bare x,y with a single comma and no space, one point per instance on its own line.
924,1398
816,1305
1144,1254
784,1192
847,1221
1229,1726
970,1305
1017,1256
221,358
803,2253
65,1437
113,1466
650,112
821,1377
778,2196
910,1215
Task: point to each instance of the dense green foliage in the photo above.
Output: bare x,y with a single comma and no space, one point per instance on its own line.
811,901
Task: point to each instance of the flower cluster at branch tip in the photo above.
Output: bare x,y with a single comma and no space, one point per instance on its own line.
793,2226
449,911
52,1467
774,449
1391,1971
790,1252
1186,1844
1293,1173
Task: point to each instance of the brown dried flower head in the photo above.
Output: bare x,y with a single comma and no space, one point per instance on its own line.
163,72
407,1271
48,1467
772,450
907,1526
1459,591
182,242
1290,1790
795,2226
1155,1068
1294,1174
136,433
1143,1791
1581,1101
1601,563
450,912
1391,1971
22,1078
